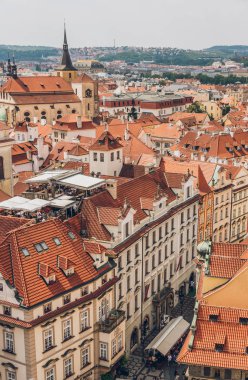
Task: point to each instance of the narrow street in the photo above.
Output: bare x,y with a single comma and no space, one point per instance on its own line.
135,365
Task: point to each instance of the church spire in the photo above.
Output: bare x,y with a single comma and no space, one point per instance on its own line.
9,67
65,37
66,58
14,67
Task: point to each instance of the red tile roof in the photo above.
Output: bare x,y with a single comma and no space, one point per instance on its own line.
226,259
4,196
21,270
175,180
9,223
131,192
227,331
36,84
106,142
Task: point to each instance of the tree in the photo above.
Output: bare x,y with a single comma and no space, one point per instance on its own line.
195,108
226,109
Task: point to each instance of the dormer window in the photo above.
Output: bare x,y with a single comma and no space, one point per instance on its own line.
219,347
213,317
69,271
51,279
47,273
127,230
243,321
188,191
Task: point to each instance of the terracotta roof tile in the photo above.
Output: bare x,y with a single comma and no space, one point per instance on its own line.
227,330
21,270
105,142
131,192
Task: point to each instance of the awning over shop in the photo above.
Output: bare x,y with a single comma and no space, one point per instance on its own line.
169,336
81,181
21,203
47,176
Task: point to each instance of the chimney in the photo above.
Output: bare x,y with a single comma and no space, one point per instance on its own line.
79,121
112,187
126,133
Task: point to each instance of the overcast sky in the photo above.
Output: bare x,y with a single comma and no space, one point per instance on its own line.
176,23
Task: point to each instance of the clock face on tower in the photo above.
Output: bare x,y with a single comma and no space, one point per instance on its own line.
88,93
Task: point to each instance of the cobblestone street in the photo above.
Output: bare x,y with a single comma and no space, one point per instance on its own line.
135,365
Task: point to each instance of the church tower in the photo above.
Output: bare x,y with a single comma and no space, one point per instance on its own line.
66,70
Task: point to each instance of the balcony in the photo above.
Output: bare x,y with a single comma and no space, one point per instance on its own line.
114,319
162,294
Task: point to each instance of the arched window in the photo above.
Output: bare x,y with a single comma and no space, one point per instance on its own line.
88,106
27,116
59,114
43,115
244,224
1,168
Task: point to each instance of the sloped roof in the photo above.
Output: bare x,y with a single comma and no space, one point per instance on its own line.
131,192
106,142
21,271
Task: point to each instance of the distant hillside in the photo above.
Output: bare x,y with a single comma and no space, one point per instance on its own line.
232,49
164,56
27,53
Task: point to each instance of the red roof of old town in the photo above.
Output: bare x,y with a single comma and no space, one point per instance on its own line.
21,271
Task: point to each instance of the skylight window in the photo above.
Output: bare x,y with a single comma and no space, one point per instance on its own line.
44,245
40,247
71,235
25,251
57,241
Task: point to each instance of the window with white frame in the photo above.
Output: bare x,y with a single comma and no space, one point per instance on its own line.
68,367
119,342
84,319
104,351
67,329
103,309
85,356
48,339
50,374
10,375
114,348
9,341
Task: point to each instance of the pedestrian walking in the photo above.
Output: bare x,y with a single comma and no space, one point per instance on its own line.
169,358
